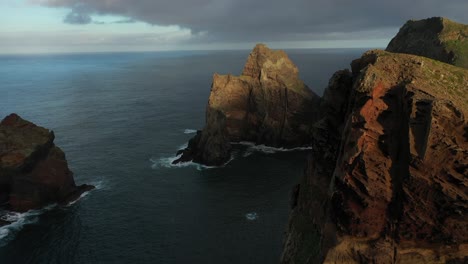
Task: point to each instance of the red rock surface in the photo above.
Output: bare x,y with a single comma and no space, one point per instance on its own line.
33,171
387,181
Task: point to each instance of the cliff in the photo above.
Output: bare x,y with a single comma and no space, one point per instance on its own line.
33,171
268,104
437,38
387,180
387,177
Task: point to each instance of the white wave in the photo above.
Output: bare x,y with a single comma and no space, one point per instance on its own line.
183,146
200,167
266,149
251,216
84,194
99,185
167,162
248,152
18,221
190,131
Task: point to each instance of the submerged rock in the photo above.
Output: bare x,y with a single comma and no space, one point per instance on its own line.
268,104
437,38
33,171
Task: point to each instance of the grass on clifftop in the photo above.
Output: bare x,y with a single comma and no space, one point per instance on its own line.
460,49
448,82
442,80
455,39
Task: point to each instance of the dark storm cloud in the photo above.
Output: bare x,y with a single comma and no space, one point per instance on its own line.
270,20
122,21
125,21
78,15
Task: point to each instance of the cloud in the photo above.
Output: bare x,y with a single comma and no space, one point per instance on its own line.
125,21
122,21
78,15
77,18
271,20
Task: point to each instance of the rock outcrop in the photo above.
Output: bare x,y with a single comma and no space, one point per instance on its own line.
33,171
387,180
268,104
437,38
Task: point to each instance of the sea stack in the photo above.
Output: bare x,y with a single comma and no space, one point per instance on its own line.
33,171
387,180
268,104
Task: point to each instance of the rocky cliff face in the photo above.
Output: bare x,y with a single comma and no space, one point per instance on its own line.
33,171
268,104
437,38
387,180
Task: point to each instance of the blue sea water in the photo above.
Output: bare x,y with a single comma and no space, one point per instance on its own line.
120,117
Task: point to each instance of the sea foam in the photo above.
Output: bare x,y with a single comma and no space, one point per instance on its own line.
98,185
251,216
18,221
167,162
190,131
266,149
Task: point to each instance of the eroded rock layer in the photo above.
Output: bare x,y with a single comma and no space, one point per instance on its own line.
268,104
387,180
33,171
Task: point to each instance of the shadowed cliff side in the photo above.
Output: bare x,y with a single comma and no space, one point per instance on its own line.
387,178
33,171
437,38
268,104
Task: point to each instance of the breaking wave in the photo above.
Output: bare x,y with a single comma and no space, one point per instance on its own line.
166,162
190,131
18,221
266,149
97,186
251,216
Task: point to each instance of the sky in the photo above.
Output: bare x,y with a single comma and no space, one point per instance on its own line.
55,26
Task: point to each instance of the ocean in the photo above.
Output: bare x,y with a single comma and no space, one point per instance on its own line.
120,118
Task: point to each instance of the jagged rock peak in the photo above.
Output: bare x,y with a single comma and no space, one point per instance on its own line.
264,63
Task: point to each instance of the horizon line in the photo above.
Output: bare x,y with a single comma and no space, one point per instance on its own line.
26,53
